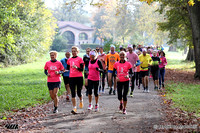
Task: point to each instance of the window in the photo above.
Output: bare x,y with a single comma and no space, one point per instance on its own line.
83,36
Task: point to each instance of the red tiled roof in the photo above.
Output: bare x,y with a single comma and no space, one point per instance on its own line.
76,25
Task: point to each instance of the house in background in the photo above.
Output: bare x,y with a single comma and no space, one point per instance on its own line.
76,33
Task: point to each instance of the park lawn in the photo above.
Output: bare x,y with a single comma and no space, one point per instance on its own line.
25,85
176,60
184,96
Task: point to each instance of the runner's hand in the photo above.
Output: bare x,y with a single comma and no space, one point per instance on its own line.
48,74
126,76
56,72
74,66
117,79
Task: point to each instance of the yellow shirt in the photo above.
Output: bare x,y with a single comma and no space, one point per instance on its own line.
111,59
145,61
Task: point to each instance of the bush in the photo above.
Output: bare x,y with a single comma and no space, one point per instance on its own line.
60,44
92,46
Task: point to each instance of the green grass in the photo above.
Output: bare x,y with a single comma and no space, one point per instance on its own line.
176,60
25,85
184,96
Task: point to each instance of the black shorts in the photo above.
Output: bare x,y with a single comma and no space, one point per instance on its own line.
144,73
66,80
52,85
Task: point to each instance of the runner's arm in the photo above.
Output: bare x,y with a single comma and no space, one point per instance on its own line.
81,67
100,69
138,63
45,71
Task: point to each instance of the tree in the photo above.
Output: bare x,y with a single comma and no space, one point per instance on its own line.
26,30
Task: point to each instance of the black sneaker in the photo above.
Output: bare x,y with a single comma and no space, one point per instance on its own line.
55,110
120,106
110,91
113,92
163,85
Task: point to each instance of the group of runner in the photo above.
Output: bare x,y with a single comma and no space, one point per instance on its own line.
122,70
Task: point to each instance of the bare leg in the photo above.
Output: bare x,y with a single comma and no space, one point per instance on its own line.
55,92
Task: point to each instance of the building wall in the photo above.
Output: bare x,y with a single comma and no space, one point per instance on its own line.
76,34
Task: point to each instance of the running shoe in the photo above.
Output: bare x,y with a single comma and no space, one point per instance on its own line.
67,99
124,111
90,107
81,104
144,89
55,110
103,92
120,106
163,85
110,91
74,111
96,108
147,90
131,94
113,92
138,87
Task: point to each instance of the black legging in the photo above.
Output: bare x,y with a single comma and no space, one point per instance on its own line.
93,85
73,82
133,82
138,77
122,86
103,76
155,73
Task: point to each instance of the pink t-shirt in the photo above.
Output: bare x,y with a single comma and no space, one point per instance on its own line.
73,71
51,67
93,73
122,70
132,58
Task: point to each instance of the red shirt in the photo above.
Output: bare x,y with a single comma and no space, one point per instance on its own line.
73,71
122,70
51,67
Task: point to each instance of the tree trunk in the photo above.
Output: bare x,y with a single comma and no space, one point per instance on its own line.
172,48
190,55
194,14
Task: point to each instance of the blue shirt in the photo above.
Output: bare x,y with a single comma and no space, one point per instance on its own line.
64,63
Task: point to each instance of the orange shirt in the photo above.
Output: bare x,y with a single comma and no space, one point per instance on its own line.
111,59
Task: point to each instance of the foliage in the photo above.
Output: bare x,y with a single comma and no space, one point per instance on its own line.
65,12
92,46
60,44
26,29
108,42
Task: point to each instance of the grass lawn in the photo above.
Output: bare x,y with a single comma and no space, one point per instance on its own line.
176,60
184,96
25,85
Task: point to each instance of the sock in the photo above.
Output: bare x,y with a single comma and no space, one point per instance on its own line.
74,107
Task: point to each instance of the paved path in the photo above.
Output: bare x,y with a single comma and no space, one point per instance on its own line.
142,113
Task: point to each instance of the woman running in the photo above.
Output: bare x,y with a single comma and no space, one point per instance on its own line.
86,59
95,67
155,68
53,69
75,65
162,65
123,69
66,75
102,58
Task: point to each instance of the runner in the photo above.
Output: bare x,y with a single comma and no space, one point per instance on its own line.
53,69
86,59
95,67
75,65
66,75
123,69
138,75
111,58
145,60
155,68
134,60
102,58
162,65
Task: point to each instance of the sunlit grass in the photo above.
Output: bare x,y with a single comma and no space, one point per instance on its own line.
176,60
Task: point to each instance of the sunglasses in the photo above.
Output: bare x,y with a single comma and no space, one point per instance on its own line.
97,49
